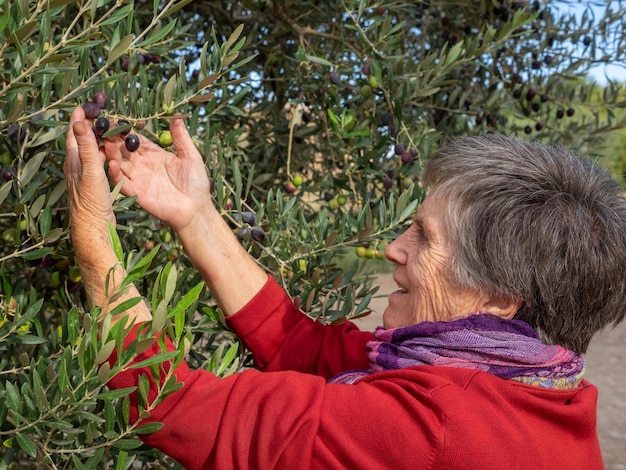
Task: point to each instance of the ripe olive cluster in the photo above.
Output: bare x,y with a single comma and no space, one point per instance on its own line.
102,125
531,103
245,226
140,59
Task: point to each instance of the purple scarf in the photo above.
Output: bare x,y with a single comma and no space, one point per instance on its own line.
509,349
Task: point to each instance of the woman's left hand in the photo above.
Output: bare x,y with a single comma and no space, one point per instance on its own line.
90,212
87,184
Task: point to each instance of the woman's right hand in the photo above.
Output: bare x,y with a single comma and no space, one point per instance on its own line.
173,188
176,189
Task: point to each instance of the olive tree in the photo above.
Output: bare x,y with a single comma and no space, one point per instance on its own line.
314,118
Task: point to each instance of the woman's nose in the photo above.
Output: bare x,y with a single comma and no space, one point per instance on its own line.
394,251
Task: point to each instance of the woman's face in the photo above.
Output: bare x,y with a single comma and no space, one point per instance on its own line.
427,291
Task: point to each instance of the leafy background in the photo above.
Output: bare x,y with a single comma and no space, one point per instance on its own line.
347,99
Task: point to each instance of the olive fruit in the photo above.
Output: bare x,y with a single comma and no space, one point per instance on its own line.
91,109
100,99
335,77
234,220
244,234
101,126
406,157
297,180
132,142
366,91
16,133
6,175
249,218
165,139
124,122
257,234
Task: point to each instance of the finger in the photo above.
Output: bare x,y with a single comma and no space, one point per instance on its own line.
77,115
116,174
113,149
120,171
182,140
88,149
72,159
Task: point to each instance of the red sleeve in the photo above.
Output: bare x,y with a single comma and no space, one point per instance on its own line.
283,338
254,420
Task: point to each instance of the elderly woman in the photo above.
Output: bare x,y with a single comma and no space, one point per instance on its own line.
514,260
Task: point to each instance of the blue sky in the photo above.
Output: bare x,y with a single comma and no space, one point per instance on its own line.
600,73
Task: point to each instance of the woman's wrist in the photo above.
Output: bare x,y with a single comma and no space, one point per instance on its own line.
230,272
92,245
205,216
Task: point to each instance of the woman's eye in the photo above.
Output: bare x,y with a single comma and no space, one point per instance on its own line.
419,231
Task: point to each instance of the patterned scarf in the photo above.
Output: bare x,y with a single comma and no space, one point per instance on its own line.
509,349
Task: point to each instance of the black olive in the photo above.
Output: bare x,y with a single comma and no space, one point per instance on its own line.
132,142
124,122
101,126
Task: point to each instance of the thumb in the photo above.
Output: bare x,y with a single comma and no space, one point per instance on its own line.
182,140
88,148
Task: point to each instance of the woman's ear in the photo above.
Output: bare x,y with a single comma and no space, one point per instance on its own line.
503,307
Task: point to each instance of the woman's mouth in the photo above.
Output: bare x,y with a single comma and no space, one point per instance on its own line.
401,290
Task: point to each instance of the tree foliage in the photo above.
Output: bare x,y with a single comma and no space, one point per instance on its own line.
314,117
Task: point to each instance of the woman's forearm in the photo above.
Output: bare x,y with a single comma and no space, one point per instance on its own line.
230,272
102,275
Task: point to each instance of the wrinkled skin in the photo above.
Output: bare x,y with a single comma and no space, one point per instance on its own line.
90,214
88,188
428,291
173,188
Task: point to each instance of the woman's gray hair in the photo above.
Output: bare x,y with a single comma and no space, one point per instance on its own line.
537,224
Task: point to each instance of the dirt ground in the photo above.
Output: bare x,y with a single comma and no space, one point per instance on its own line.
606,368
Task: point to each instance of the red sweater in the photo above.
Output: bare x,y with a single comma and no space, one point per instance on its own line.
425,417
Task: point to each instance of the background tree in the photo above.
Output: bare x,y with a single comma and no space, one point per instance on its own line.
315,118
